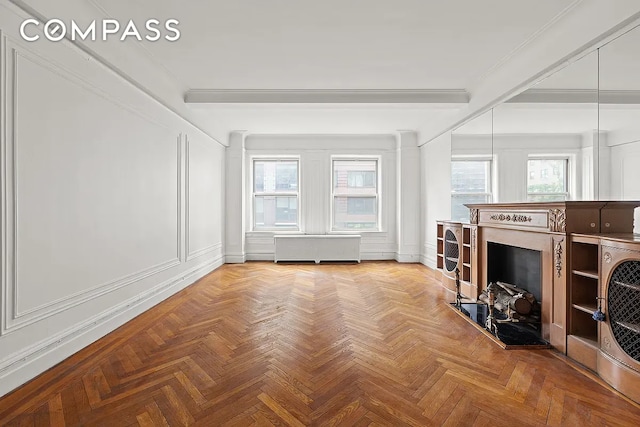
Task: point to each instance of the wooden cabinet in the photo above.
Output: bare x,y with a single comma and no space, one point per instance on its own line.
582,294
606,266
450,252
455,251
619,356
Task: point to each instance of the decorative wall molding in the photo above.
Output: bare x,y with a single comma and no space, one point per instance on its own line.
70,75
47,310
22,8
28,350
129,308
203,251
4,175
14,319
333,96
191,254
180,253
187,143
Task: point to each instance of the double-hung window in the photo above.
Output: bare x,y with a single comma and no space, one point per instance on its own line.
470,183
355,194
547,179
276,194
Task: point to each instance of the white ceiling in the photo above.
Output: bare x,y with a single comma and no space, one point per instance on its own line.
337,48
336,44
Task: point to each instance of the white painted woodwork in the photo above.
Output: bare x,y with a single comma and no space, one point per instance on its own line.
314,153
110,202
436,163
316,248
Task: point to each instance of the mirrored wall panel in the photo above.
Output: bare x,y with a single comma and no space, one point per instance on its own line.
545,138
620,119
574,135
472,171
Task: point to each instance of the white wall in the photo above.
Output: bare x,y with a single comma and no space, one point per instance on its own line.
110,203
436,179
314,152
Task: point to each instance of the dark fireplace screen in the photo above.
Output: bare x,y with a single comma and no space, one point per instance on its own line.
623,301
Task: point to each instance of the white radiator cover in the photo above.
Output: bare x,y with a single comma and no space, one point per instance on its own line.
320,247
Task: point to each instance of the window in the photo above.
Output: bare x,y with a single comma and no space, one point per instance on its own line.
355,194
275,194
470,183
547,180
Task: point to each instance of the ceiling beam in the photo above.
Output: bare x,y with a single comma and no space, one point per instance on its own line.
577,96
326,96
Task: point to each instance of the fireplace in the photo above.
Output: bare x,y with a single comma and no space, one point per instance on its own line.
519,266
531,242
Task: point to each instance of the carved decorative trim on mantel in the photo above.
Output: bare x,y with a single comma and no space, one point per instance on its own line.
557,220
510,217
473,216
474,237
557,252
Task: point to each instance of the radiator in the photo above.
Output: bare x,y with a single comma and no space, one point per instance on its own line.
320,247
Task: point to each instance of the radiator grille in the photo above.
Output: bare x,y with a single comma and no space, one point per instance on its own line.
624,307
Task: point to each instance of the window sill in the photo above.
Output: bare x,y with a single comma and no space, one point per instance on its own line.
267,233
263,233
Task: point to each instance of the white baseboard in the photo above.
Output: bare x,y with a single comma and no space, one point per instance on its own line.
425,261
261,257
235,258
364,256
409,258
377,256
25,365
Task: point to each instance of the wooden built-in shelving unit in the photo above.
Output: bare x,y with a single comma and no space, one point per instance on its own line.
583,291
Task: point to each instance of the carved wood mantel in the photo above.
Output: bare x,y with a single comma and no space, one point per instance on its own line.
544,227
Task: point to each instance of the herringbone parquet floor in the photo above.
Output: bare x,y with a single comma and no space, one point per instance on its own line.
264,344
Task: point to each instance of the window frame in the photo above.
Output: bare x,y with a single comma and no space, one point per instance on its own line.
274,158
377,196
567,170
490,194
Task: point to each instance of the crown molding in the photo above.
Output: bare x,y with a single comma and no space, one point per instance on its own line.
326,96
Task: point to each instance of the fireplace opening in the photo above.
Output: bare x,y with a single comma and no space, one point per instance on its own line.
517,272
519,266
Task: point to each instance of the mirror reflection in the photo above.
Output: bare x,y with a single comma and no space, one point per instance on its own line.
472,168
574,135
619,125
545,137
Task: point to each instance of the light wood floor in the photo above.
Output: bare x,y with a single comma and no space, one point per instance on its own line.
264,344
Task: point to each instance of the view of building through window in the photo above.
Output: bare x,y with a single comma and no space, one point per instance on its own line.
547,180
275,194
470,183
355,194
